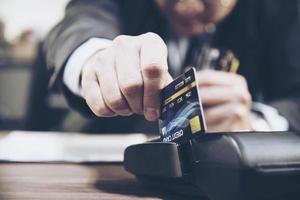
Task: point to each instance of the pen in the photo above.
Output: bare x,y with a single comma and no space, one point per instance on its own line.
212,58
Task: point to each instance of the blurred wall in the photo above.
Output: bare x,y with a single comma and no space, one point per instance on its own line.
39,15
26,23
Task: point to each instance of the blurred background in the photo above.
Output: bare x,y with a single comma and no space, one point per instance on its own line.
25,101
22,76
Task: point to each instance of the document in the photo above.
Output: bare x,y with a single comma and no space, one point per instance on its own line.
22,146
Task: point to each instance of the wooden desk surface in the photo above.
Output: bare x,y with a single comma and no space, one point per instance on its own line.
73,181
40,181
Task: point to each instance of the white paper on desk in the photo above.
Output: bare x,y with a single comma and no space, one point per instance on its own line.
21,146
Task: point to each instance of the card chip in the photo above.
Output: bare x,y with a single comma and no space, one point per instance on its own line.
195,124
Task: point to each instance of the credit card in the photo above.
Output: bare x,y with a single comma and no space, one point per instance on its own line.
181,116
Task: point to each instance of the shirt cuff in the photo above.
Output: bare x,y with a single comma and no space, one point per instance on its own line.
267,118
72,72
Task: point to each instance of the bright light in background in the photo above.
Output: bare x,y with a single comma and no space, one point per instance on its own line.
39,15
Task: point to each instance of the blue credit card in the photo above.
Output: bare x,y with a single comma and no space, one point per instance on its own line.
181,116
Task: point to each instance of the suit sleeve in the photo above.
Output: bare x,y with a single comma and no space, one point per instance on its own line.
84,19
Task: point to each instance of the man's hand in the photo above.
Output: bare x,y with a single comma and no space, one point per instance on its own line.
226,100
127,77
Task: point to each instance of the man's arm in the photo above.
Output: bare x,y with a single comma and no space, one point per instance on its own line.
84,19
122,79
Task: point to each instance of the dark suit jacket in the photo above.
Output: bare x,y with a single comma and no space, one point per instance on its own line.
265,35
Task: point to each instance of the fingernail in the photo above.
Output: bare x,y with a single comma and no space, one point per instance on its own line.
152,114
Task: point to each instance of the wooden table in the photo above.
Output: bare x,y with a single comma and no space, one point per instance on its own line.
73,181
105,181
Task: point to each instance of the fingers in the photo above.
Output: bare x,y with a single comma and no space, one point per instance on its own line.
214,78
93,96
215,115
107,77
215,95
227,117
218,87
153,61
226,101
128,77
129,74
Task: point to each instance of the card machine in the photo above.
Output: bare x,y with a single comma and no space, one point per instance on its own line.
222,166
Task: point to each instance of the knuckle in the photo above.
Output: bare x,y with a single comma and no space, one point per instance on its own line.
244,96
247,98
117,102
205,74
239,113
100,110
242,80
100,57
121,40
100,71
153,36
156,39
131,87
84,93
88,69
153,70
152,97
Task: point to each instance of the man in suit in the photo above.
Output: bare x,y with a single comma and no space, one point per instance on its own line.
112,58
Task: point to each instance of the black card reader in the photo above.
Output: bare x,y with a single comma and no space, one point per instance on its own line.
222,166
